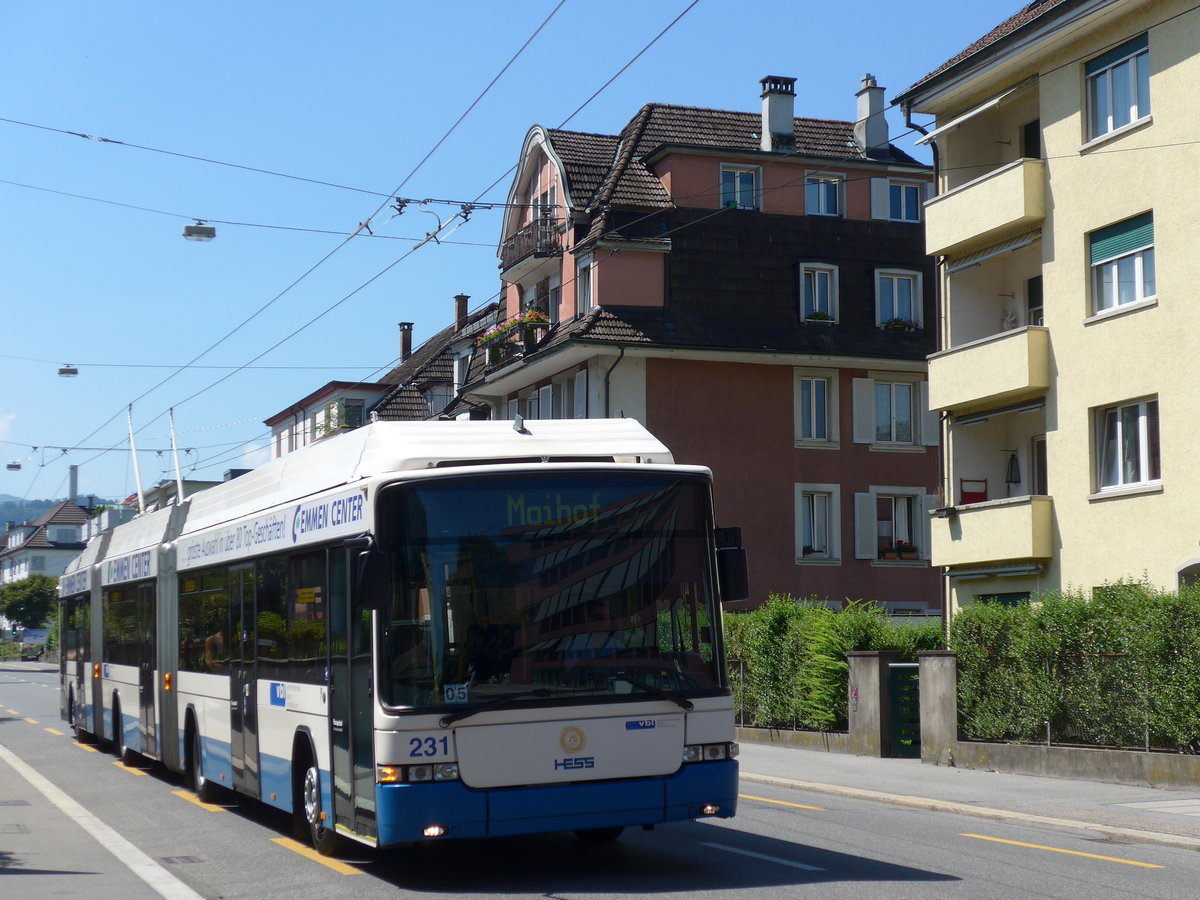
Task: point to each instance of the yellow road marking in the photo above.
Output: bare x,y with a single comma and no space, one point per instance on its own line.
130,769
192,798
1127,862
55,731
12,712
308,852
781,802
86,747
32,721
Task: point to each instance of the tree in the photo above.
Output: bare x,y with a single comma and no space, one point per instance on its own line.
29,602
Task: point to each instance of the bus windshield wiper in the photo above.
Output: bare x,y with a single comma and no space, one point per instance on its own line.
450,718
682,702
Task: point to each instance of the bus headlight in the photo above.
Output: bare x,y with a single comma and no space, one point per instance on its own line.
693,753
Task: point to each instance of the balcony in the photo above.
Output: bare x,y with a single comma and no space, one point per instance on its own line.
1004,368
524,253
1019,528
1007,200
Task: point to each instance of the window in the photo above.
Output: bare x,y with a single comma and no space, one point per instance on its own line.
1127,445
1034,310
1122,257
905,202
462,368
823,195
818,291
352,412
894,412
892,519
814,409
554,289
583,284
1118,87
1039,480
891,412
818,526
897,297
739,187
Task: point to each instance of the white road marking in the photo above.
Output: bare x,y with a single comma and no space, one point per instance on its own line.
762,856
159,879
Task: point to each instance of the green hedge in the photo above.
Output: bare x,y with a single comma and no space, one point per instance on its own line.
788,658
1121,669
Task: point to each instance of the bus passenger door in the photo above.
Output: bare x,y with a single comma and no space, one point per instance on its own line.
147,659
243,700
350,701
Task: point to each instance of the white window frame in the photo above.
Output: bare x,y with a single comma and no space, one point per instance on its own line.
894,276
926,431
462,367
866,523
816,194
801,415
554,299
917,198
737,198
1130,71
828,496
1133,425
1108,271
584,287
815,271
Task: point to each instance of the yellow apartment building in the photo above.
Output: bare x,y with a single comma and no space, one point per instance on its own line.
1067,378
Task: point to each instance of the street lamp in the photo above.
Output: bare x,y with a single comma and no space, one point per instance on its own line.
199,231
67,370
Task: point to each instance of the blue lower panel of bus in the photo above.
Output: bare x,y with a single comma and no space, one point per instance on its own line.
406,810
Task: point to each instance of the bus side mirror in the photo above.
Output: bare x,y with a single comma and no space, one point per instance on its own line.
373,586
732,575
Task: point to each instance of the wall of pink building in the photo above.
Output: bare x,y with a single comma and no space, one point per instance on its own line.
630,278
709,413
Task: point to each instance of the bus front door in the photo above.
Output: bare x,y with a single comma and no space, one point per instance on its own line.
147,659
243,698
350,701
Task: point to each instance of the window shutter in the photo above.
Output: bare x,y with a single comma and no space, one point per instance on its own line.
581,410
546,402
881,198
929,503
1122,238
864,410
866,539
1129,48
930,423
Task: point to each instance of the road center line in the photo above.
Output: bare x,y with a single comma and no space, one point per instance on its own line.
1125,862
56,731
765,858
782,803
159,879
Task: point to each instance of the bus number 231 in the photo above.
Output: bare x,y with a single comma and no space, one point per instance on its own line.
428,746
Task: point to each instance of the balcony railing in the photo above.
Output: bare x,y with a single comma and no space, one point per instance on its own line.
1005,368
1018,528
1007,200
537,240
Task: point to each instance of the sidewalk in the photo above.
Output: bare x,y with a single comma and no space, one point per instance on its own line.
1119,812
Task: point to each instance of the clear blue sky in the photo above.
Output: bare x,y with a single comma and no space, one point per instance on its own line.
355,94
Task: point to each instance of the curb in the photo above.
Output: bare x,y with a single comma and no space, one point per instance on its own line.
979,812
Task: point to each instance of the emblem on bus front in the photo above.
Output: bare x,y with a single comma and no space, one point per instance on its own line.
572,739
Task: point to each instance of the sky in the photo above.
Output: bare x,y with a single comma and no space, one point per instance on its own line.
122,122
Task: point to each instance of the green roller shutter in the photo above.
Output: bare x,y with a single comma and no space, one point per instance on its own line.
1124,237
1116,54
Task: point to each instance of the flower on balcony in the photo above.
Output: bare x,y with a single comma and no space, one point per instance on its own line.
899,324
506,328
818,316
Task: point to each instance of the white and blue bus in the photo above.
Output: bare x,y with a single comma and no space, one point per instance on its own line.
425,630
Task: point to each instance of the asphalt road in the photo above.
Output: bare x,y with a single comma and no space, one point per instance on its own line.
133,833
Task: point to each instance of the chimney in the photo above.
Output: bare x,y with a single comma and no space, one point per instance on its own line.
870,127
405,340
460,311
72,483
778,113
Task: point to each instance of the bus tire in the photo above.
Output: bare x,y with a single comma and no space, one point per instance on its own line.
206,791
599,835
325,840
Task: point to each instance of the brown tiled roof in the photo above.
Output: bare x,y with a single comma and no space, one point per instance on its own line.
1009,26
587,159
431,363
65,513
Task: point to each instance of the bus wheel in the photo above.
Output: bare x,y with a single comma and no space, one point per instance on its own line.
325,840
205,790
599,835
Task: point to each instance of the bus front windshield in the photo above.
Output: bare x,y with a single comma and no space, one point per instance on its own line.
540,585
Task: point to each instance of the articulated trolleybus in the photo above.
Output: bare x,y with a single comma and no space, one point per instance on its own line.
425,630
